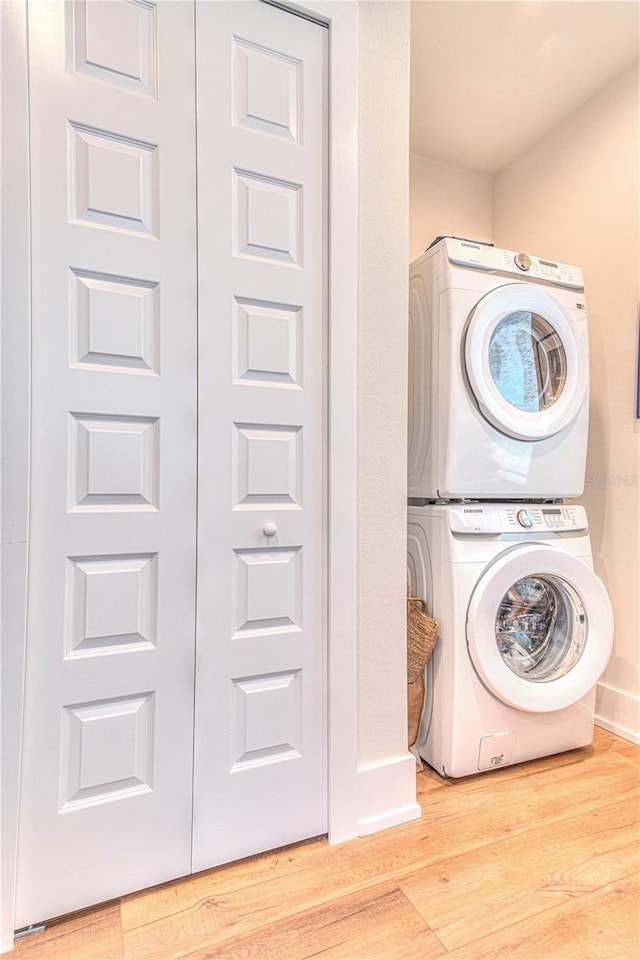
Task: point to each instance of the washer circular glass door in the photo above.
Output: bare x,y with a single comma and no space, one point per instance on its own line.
539,628
525,363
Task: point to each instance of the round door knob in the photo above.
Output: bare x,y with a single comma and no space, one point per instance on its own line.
269,529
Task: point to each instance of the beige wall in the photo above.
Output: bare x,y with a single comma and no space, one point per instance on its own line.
574,197
448,200
383,169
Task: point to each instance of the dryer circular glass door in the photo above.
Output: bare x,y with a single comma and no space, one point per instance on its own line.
539,628
525,361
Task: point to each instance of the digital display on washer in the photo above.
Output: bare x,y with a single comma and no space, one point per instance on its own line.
547,263
556,513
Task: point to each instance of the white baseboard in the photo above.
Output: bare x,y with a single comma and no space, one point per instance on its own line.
387,794
618,712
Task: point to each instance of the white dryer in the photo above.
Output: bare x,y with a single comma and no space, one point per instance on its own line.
498,375
526,630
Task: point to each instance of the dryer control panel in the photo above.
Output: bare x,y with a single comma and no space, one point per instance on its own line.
482,257
538,519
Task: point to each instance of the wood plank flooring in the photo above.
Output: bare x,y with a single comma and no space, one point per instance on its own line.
535,862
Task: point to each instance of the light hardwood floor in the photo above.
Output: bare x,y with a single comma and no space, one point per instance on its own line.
535,862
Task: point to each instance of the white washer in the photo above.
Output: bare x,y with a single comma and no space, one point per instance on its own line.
526,630
499,375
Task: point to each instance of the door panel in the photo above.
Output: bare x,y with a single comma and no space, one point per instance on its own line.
107,754
260,713
107,792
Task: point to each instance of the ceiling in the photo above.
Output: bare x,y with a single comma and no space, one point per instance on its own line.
490,78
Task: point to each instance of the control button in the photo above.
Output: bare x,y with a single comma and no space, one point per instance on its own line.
522,261
525,518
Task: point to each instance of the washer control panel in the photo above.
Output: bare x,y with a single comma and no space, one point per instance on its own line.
490,518
483,257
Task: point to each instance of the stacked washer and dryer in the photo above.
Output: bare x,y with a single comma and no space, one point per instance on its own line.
498,422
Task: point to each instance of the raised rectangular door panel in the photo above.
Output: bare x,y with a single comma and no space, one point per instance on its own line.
108,732
260,691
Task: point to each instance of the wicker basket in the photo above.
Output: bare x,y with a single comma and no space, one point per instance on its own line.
422,633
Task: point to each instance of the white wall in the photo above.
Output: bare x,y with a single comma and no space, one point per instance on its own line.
574,197
383,201
448,200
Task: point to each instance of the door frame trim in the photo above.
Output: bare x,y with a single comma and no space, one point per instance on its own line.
15,409
15,364
342,317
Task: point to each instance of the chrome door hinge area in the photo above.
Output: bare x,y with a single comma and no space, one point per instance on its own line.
27,931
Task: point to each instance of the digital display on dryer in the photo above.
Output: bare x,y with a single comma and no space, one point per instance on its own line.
547,263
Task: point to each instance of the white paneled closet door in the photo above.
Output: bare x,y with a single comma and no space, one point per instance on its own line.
178,433
107,754
260,693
